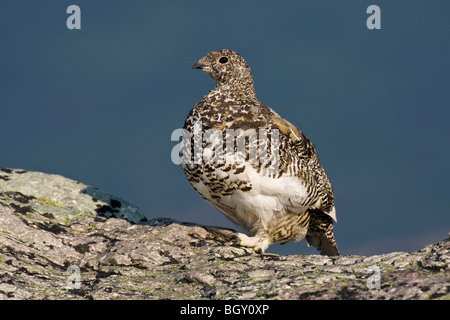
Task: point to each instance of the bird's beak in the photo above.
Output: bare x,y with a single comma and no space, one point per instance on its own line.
198,66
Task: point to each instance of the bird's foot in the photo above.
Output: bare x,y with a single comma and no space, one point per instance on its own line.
256,243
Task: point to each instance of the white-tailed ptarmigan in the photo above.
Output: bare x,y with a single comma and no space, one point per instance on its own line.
252,165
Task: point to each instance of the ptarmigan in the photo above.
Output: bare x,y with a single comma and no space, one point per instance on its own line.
252,165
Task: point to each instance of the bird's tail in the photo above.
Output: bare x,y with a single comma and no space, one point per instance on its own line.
320,233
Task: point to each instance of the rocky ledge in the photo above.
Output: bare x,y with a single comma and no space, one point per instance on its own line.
61,239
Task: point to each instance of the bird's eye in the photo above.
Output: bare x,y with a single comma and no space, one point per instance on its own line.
223,60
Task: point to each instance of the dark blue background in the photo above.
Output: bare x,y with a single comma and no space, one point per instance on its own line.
99,104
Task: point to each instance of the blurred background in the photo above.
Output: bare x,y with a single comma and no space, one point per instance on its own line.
99,104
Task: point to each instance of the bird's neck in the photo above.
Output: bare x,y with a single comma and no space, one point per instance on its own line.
244,92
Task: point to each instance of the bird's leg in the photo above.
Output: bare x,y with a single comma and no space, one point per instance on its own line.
257,243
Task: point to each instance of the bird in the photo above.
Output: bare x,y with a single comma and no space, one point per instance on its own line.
277,195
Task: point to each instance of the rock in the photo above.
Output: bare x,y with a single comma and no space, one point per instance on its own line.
66,197
55,243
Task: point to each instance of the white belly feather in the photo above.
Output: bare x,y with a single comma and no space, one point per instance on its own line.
267,198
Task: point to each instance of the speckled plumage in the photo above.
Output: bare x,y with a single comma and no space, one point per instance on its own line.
285,199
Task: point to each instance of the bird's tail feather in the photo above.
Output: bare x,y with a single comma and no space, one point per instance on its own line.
320,233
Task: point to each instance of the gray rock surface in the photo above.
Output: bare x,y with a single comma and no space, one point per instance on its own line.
60,239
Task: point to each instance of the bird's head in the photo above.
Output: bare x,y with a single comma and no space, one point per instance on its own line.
226,67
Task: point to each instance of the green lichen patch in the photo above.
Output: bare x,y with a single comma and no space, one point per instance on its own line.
45,201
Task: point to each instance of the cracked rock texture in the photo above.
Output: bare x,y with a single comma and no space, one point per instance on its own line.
61,239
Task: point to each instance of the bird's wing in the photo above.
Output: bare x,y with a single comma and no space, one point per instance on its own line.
303,157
